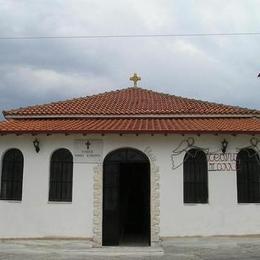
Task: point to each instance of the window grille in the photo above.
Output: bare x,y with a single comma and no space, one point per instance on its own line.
12,175
195,177
248,176
61,175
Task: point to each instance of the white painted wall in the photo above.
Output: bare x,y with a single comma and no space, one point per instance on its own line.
34,216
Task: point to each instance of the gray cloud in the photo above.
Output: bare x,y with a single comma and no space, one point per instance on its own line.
220,69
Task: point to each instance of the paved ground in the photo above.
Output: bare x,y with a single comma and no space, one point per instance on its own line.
178,248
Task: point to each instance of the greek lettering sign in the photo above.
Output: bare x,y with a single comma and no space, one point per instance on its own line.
88,150
222,162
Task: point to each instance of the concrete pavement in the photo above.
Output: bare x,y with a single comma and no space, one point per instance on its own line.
175,248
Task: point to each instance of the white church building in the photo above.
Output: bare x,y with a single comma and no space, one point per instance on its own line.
131,165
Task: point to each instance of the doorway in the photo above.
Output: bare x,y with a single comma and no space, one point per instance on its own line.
126,198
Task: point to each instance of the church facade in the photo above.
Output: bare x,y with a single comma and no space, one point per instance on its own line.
131,165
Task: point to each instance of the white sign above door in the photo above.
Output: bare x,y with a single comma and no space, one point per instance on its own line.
88,150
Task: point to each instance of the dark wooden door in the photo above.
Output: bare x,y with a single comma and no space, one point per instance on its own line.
126,196
111,204
135,201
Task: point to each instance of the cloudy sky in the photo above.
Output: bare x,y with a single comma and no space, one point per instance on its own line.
221,69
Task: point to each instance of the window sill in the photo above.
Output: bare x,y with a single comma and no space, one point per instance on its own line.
195,204
11,201
248,203
59,202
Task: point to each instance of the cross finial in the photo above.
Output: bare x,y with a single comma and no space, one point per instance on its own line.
135,78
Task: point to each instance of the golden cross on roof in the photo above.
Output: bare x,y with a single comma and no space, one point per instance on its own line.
135,78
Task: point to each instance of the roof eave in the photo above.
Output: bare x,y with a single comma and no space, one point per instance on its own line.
132,116
85,132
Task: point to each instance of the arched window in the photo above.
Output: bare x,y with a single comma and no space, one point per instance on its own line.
12,175
195,177
248,176
61,175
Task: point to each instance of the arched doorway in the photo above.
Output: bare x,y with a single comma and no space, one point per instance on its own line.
126,198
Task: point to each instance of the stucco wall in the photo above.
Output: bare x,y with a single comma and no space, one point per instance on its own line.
34,216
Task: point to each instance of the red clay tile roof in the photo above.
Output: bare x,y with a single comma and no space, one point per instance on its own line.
132,110
130,101
173,125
